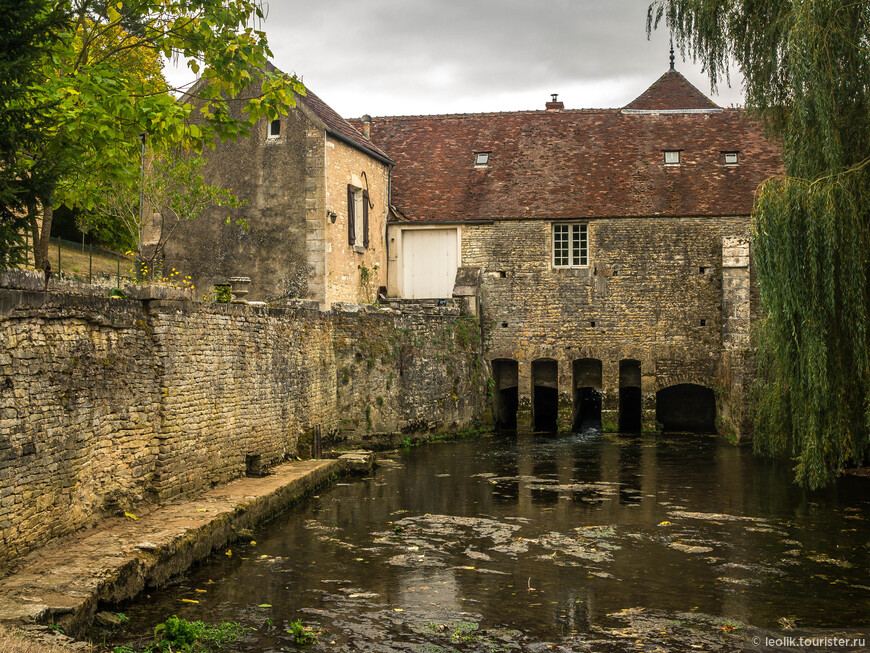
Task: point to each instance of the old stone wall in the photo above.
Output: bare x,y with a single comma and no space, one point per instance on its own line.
108,404
652,292
266,238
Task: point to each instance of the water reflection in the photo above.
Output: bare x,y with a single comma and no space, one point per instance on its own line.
533,541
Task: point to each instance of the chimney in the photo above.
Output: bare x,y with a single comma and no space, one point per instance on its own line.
366,126
554,104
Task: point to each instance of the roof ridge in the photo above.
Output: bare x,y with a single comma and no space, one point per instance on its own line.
498,113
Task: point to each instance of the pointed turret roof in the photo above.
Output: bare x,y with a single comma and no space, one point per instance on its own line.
671,92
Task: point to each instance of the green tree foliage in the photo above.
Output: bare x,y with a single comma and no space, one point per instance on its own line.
28,29
807,72
96,93
174,190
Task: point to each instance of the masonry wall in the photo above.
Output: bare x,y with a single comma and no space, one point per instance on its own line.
109,404
649,284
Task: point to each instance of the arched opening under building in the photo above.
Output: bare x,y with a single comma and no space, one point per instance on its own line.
629,396
505,373
587,394
686,407
545,395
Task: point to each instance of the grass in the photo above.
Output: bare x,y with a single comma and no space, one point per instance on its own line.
14,641
178,635
75,262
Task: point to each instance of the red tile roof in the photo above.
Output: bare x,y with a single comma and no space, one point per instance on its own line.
577,163
671,92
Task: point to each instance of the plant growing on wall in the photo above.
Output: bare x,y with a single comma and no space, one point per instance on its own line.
807,72
368,282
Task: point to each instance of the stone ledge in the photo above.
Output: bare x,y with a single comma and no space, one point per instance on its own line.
64,582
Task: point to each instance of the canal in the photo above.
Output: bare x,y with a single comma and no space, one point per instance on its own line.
614,543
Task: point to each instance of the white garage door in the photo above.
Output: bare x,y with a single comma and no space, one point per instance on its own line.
428,263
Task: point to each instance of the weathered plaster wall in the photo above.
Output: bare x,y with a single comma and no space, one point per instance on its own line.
345,165
271,175
106,404
644,289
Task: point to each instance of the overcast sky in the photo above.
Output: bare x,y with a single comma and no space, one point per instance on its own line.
408,57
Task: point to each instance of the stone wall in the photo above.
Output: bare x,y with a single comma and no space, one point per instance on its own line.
107,404
652,292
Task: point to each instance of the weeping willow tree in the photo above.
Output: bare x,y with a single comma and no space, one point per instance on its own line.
806,66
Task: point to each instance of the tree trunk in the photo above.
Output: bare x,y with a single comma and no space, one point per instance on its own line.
34,231
40,250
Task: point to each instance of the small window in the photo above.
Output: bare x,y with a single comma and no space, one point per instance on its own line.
672,157
274,129
570,246
730,158
481,158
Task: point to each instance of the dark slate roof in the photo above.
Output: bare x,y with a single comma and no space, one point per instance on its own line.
335,124
576,163
671,92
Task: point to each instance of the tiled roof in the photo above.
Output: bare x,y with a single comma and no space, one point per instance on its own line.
335,124
576,163
671,92
340,127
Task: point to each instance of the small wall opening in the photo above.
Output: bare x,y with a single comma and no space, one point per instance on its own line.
587,394
686,407
545,395
629,396
505,373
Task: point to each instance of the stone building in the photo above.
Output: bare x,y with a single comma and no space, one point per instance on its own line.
316,193
608,250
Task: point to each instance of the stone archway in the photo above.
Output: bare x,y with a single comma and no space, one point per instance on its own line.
629,396
587,373
686,407
545,395
505,374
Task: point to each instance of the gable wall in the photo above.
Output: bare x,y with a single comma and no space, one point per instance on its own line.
270,175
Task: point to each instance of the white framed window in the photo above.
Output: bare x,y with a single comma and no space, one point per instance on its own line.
274,130
672,157
731,158
570,245
481,159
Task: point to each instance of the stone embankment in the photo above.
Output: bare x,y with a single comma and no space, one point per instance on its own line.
65,582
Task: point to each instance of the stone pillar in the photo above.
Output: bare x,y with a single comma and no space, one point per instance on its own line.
647,399
610,396
315,215
524,392
466,290
733,418
735,293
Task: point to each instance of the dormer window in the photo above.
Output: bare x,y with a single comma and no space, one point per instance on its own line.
731,158
672,157
274,130
481,159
